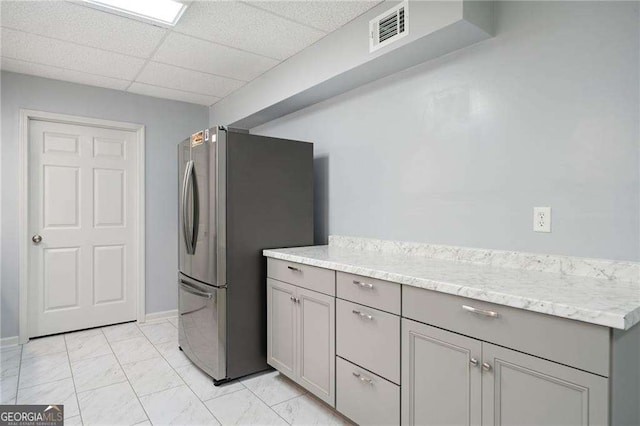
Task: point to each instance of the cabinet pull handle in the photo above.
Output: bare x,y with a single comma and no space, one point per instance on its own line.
486,366
362,378
473,310
474,362
362,314
363,284
294,269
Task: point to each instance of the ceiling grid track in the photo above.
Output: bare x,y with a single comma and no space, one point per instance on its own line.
213,50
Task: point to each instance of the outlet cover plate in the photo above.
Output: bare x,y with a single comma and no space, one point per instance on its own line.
542,219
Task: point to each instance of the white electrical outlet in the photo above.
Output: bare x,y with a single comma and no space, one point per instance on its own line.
542,219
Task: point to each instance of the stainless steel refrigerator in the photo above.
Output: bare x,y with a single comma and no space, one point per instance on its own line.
239,194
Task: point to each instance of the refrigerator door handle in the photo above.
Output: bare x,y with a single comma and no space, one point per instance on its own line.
196,209
185,188
195,291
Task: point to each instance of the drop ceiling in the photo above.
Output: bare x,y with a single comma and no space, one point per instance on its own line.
216,47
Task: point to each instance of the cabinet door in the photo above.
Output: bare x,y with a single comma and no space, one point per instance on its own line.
525,390
316,344
281,327
441,378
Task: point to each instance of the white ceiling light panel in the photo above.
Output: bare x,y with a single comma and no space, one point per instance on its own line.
164,12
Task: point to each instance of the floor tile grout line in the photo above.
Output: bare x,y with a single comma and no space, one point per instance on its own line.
161,355
45,354
38,356
162,390
44,383
91,357
219,396
103,386
128,381
184,381
75,389
305,393
19,372
269,406
209,410
204,401
314,398
181,378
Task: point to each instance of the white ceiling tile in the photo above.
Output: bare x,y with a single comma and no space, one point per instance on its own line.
178,95
55,73
47,51
191,81
325,15
240,25
90,27
200,55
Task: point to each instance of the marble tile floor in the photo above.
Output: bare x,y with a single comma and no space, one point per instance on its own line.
130,374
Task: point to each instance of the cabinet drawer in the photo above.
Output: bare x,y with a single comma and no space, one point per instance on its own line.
370,338
310,277
364,397
574,343
378,294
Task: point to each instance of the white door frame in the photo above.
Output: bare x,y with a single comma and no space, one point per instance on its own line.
23,204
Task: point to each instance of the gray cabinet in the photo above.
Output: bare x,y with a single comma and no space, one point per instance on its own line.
281,326
448,378
429,358
525,390
316,343
441,377
301,337
364,397
369,338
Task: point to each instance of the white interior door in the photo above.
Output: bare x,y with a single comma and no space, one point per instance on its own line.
82,204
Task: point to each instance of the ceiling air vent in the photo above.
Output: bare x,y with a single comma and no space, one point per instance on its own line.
388,27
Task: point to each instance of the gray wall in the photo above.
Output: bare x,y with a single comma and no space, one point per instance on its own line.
459,150
167,123
342,61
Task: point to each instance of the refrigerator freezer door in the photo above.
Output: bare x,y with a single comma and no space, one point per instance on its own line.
202,325
197,221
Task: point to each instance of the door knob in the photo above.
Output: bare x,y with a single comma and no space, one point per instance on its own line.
486,366
36,239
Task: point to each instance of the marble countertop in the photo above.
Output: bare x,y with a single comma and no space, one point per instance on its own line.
607,302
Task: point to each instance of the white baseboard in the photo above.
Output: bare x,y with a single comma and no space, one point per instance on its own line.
9,341
157,316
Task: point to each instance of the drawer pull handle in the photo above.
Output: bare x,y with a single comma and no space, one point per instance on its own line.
362,314
474,362
473,310
294,269
363,379
486,366
363,285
